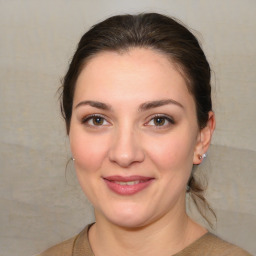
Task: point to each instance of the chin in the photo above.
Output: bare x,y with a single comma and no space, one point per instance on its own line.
128,217
128,223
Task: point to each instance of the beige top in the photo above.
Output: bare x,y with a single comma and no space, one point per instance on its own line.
207,245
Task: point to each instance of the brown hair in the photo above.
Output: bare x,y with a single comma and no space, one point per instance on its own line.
157,32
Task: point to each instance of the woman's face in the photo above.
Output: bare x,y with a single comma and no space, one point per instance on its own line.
134,136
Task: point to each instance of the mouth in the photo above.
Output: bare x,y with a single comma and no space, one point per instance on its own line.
127,185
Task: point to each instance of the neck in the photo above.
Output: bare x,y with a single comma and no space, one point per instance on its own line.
165,236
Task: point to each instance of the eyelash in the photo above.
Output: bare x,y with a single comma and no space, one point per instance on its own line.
165,118
89,118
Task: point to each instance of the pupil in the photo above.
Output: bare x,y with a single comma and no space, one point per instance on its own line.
98,120
159,121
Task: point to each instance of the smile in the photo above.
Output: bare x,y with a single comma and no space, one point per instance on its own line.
127,185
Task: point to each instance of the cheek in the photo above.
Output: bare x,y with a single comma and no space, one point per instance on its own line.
89,151
172,152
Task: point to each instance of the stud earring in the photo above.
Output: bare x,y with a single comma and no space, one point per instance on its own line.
202,156
73,159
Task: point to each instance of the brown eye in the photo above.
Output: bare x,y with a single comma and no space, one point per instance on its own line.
97,120
159,121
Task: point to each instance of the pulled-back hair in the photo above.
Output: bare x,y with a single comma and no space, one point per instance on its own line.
159,33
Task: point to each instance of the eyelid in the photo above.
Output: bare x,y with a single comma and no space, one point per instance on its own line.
87,118
166,117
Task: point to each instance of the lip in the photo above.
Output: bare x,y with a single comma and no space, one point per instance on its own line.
134,184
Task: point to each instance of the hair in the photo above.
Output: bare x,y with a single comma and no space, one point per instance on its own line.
157,32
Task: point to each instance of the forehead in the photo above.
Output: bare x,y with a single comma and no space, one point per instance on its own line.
133,57
138,72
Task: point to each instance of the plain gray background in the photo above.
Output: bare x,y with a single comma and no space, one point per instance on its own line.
41,203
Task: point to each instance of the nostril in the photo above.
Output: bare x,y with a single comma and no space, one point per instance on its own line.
126,148
126,158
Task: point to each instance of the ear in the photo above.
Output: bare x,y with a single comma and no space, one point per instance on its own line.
204,139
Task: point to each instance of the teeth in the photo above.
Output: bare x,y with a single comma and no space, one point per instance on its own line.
128,183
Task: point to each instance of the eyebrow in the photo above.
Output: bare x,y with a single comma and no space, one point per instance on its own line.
95,104
158,103
143,107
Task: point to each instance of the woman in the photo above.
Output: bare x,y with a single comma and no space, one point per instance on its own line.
137,104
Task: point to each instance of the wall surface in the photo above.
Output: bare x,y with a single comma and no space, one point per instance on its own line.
41,203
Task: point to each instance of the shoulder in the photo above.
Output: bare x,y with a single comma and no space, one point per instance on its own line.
63,249
71,246
211,245
222,247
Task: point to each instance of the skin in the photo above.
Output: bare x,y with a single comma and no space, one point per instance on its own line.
126,141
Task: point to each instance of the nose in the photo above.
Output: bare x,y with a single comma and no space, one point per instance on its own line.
126,148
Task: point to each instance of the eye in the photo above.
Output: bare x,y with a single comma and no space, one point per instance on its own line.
95,120
160,121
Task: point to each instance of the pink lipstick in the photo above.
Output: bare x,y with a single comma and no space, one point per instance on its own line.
127,185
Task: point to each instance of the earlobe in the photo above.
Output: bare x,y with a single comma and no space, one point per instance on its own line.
204,139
